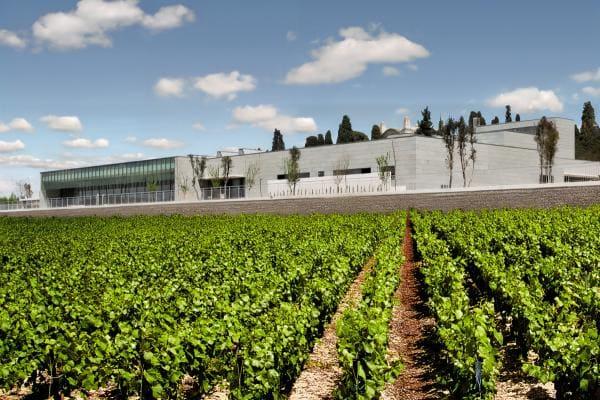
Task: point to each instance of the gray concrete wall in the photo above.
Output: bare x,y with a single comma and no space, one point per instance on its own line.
534,197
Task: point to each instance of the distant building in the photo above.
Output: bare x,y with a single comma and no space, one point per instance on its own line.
506,155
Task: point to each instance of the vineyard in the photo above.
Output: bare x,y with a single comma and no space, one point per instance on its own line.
186,307
529,277
140,304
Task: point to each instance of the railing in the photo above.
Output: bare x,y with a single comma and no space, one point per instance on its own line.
221,193
19,205
112,199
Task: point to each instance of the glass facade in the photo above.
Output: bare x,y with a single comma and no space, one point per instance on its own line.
132,177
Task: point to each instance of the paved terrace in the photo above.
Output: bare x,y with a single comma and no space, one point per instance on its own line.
530,196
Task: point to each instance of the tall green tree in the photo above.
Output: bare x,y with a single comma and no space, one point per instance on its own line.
481,119
507,115
496,120
321,139
425,124
344,130
328,139
517,118
311,141
278,143
376,132
588,120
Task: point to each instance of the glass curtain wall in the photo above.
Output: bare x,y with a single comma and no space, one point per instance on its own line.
133,177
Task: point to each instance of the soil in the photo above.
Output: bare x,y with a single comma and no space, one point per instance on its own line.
411,329
322,372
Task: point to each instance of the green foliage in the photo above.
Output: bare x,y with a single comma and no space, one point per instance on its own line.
363,331
344,130
376,133
425,125
540,268
588,120
496,120
311,141
140,302
507,115
278,143
292,168
328,139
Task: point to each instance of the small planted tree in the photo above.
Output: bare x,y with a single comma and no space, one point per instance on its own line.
292,169
339,173
546,139
198,165
214,172
383,166
226,163
449,139
472,151
462,139
252,172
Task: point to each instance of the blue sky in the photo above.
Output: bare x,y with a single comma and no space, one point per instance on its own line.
96,81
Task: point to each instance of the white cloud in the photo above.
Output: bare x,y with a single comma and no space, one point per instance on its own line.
267,117
130,139
67,123
11,39
291,36
402,111
167,87
35,162
82,143
225,85
199,126
592,91
413,67
587,76
169,17
17,124
6,147
338,61
528,99
162,143
390,71
92,20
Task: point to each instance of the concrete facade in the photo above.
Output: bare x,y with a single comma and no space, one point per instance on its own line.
506,155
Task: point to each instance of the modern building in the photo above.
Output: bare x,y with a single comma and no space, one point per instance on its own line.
506,154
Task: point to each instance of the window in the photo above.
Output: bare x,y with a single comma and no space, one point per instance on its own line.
301,175
351,171
321,173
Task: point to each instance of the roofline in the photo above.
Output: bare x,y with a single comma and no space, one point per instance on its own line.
105,165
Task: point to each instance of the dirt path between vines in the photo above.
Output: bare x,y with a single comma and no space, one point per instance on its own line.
410,330
322,371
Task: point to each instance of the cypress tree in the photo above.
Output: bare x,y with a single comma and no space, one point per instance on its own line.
328,139
311,141
507,116
376,132
588,120
321,139
425,125
496,120
344,130
517,118
278,143
481,119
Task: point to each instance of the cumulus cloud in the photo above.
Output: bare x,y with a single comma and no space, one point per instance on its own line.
592,91
199,126
67,123
17,124
267,117
92,20
11,39
7,147
291,36
225,85
587,76
82,143
35,162
169,87
348,58
528,99
162,143
390,71
402,111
